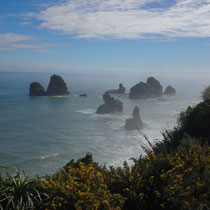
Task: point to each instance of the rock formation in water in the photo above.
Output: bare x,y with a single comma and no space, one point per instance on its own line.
135,122
36,89
57,86
110,105
157,88
150,89
120,90
170,90
83,95
140,91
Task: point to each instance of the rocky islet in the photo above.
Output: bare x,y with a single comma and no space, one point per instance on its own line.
57,86
110,105
135,122
151,89
120,90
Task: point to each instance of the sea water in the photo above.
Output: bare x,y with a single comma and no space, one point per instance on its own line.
41,134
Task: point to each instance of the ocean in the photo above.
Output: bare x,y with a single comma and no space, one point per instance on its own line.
41,134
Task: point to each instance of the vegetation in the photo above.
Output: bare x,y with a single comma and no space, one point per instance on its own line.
174,174
206,93
196,121
178,180
17,191
81,185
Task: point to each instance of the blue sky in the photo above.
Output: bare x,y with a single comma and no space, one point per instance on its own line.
105,35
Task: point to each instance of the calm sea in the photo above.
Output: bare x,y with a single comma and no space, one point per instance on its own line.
41,134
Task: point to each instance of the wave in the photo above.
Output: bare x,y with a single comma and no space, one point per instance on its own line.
110,115
61,96
87,111
49,156
37,160
45,157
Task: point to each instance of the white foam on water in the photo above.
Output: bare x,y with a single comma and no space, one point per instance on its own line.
61,96
105,115
49,156
87,111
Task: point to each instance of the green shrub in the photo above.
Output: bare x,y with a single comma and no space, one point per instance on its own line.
206,93
170,142
178,180
196,121
19,192
81,185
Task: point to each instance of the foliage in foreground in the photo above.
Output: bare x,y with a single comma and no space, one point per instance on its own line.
163,181
195,121
81,185
206,93
175,180
18,191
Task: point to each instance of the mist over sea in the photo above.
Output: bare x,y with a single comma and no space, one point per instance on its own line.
41,134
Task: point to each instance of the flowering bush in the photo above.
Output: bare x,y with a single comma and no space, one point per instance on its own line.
81,186
165,180
178,180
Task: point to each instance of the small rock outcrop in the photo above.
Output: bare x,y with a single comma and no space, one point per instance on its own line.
57,86
170,90
83,95
36,89
120,90
135,122
150,89
110,105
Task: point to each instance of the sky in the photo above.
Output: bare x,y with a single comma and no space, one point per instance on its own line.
105,35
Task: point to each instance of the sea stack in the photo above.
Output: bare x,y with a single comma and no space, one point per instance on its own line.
150,89
120,90
157,88
170,90
135,122
83,95
36,89
110,105
57,86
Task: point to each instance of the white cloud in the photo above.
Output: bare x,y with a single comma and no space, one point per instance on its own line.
11,41
127,18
